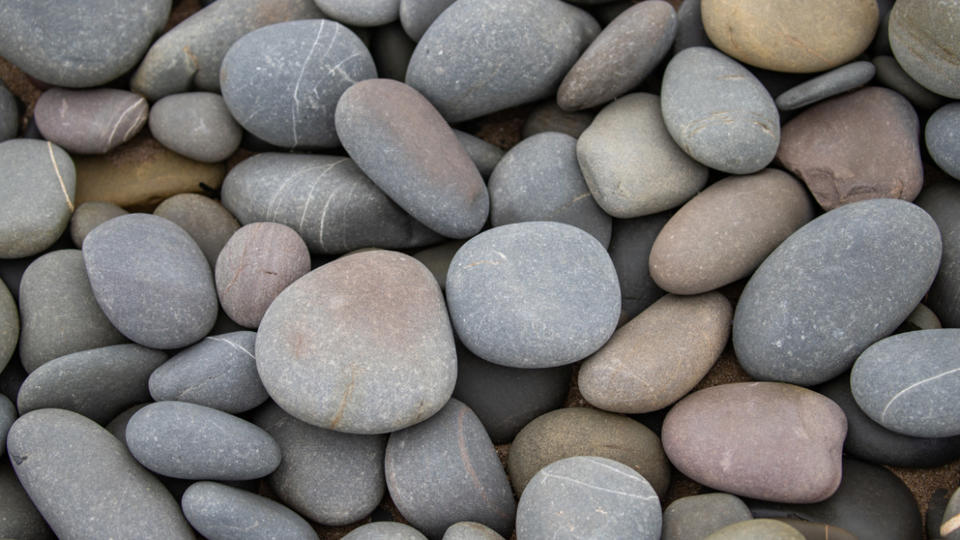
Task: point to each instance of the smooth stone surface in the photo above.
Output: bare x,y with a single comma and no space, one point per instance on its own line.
942,135
940,200
951,518
924,37
85,483
563,498
64,48
196,125
361,345
548,116
838,284
391,49
361,12
659,356
718,112
88,215
256,264
533,295
698,516
727,230
470,530
630,162
9,325
220,512
757,529
151,280
539,179
863,145
282,82
417,15
437,259
796,36
748,428
9,114
39,181
832,83
89,121
630,248
477,56
19,518
891,75
483,154
379,530
582,431
8,413
205,220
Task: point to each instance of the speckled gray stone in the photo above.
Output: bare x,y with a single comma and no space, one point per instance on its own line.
196,125
58,312
942,136
483,154
205,220
446,470
533,295
829,84
478,56
379,530
470,530
89,121
391,49
891,75
698,516
718,112
88,215
19,518
38,181
940,200
9,325
221,512
924,37
327,199
562,501
630,162
8,413
539,179
85,483
9,114
548,116
417,15
361,12
190,441
630,248
834,287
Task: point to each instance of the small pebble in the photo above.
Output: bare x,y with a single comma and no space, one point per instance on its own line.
205,220
942,136
470,530
197,125
416,16
832,83
220,512
891,75
484,155
88,215
924,37
380,530
698,516
548,116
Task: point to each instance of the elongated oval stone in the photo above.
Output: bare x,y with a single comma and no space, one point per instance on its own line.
218,511
834,287
834,82
90,121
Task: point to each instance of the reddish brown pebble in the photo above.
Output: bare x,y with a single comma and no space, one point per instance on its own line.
90,121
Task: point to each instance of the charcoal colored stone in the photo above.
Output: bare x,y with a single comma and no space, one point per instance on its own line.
89,121
834,82
84,482
924,37
539,179
38,180
465,481
936,505
417,15
282,82
196,125
478,56
470,530
718,112
690,32
483,154
942,135
19,518
11,378
88,215
533,295
9,114
391,49
940,200
698,516
9,326
205,220
950,526
630,247
378,530
757,529
220,512
8,413
437,259
834,287
548,116
426,171
361,12
152,281
891,75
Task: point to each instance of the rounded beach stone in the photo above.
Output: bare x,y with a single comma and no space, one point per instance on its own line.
9,325
185,440
757,529
8,413
698,516
378,530
548,116
403,144
631,164
924,37
791,35
942,135
470,530
88,215
630,252
563,498
280,85
718,112
940,200
748,428
361,345
582,431
9,115
818,299
478,56
19,518
85,483
151,280
79,49
727,230
205,220
219,372
659,356
38,180
539,179
361,12
417,15
891,75
219,512
533,295
832,83
466,481
197,125
624,53
89,121
483,154
858,146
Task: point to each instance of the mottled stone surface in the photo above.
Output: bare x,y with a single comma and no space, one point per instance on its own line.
942,135
378,530
196,125
698,516
220,512
548,116
630,248
205,220
9,114
483,154
891,75
9,325
757,529
89,121
417,15
19,518
88,215
925,39
470,530
832,83
940,200
361,12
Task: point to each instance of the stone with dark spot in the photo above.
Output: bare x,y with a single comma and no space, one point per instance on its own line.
891,75
361,12
832,83
89,121
483,154
220,512
378,530
924,37
205,220
548,116
196,125
19,518
417,15
88,215
9,114
470,530
757,529
941,201
9,325
697,516
630,248
942,135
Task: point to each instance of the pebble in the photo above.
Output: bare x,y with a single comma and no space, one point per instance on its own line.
733,437
815,298
417,15
630,247
470,530
891,75
550,287
718,112
196,125
221,512
391,49
9,325
282,82
834,82
361,345
38,181
941,201
361,12
539,179
84,482
564,496
88,215
690,31
205,220
91,121
437,259
757,529
548,116
258,262
924,37
698,516
446,470
9,114
942,135
484,155
630,162
380,530
8,413
19,518
478,56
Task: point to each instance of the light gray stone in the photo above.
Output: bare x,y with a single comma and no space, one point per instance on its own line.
470,530
221,512
942,136
197,125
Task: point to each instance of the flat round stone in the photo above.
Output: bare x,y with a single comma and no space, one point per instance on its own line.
698,516
218,512
205,220
924,37
832,83
197,125
89,121
942,135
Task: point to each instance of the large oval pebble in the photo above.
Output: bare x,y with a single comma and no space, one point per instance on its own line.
829,84
924,37
219,512
90,121
197,125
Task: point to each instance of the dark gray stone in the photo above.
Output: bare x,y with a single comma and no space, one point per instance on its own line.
941,201
539,179
193,442
936,505
718,112
8,413
88,216
84,482
950,525
533,295
9,114
829,84
196,125
417,15
891,75
698,516
19,518
834,287
282,82
548,116
942,135
11,378
221,512
380,530
205,220
470,530
361,12
9,325
562,499
152,280
446,470
483,154
479,56
925,39
690,32
391,49
89,121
